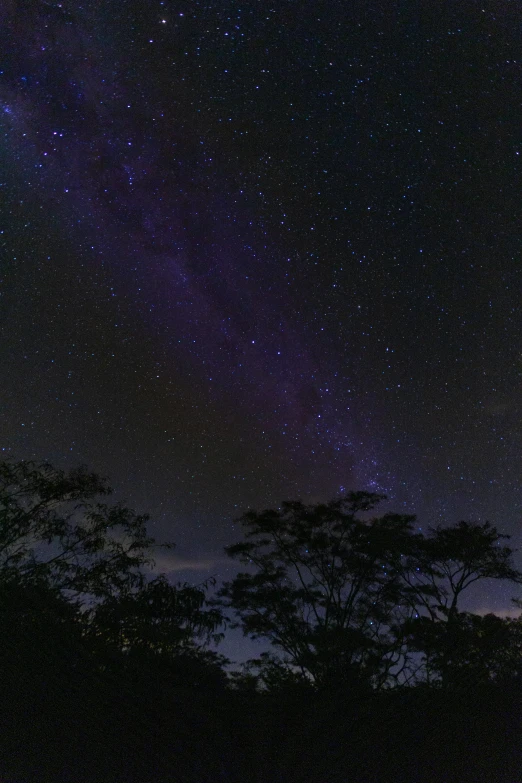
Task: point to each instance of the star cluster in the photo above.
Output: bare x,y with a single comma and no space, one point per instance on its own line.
253,252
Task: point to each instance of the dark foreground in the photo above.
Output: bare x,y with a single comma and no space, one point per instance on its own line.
104,731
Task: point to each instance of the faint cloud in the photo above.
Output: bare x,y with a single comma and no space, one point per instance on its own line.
171,563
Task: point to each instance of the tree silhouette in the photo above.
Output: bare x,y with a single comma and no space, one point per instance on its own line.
52,528
323,587
471,650
90,643
163,627
345,598
39,630
106,669
437,570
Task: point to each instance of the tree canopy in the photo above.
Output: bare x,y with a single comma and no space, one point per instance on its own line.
53,526
64,552
344,596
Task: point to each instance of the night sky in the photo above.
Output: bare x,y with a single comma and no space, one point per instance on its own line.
257,251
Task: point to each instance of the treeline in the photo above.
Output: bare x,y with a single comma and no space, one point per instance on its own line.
109,672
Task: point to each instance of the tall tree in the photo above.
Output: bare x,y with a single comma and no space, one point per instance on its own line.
323,587
344,597
437,571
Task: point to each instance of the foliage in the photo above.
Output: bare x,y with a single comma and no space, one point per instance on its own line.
39,629
162,627
449,560
52,529
160,617
345,599
106,673
437,571
85,561
322,586
469,650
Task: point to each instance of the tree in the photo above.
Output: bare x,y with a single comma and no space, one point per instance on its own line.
471,650
437,570
53,528
40,632
323,587
450,559
163,627
60,545
159,618
344,598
